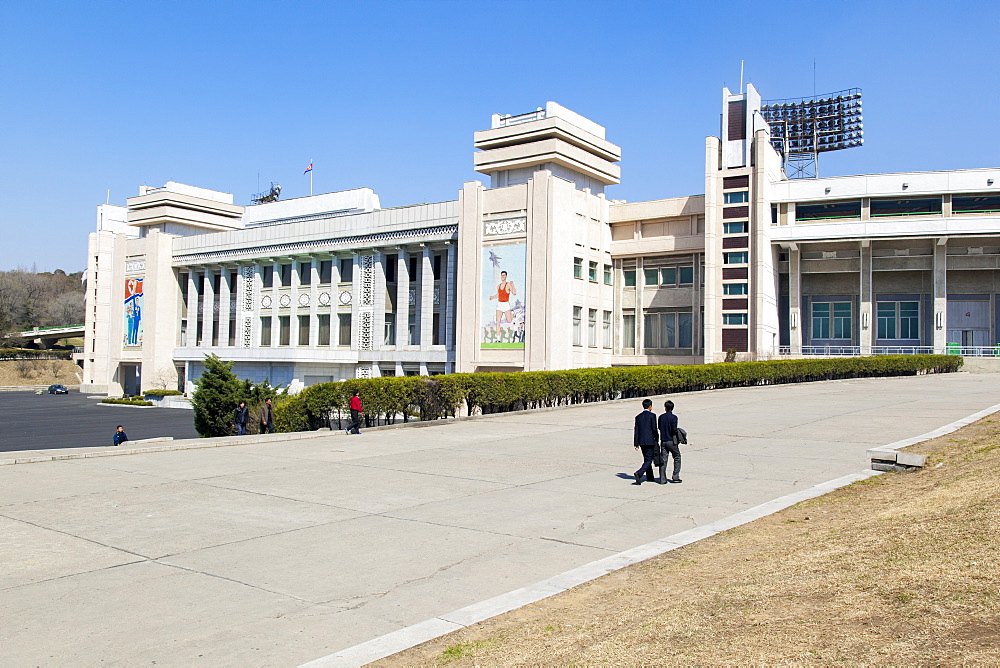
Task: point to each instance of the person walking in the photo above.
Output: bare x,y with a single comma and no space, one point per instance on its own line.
646,439
355,405
240,418
670,442
267,418
120,435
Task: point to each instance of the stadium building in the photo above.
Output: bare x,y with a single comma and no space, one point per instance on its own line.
535,268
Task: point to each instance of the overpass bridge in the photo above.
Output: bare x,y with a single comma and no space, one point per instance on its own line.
46,337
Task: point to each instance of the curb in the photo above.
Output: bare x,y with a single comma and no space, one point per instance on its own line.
429,629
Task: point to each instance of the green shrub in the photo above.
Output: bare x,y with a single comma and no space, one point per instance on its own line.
127,402
217,394
163,393
433,397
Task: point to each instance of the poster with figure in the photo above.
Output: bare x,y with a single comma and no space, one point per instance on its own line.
133,313
503,296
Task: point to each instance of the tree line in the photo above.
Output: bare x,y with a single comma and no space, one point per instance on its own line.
30,298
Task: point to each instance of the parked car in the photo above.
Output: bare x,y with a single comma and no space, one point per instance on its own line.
58,389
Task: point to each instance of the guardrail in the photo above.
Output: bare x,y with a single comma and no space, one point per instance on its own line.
858,351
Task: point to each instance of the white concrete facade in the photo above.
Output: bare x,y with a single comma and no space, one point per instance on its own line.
333,286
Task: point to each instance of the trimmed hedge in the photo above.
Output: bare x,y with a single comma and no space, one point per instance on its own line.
31,354
127,402
162,393
432,397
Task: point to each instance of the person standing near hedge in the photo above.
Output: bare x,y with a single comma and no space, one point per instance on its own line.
646,439
355,405
267,418
670,441
240,418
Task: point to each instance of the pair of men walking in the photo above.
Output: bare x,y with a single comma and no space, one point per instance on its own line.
652,434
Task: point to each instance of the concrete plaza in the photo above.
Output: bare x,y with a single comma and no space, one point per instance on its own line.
278,553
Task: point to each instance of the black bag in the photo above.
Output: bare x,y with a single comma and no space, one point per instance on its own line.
658,458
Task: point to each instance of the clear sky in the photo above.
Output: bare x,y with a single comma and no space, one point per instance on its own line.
110,96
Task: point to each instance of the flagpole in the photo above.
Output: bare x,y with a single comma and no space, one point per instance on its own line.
310,177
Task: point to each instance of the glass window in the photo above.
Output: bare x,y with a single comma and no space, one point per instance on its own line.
323,322
389,263
628,331
735,258
842,321
737,197
592,272
906,207
284,330
684,321
592,327
413,333
303,330
265,330
667,330
734,289
305,273
577,325
436,267
651,331
267,276
578,267
828,210
821,320
607,329
436,329
629,278
414,267
607,274
687,275
344,320
886,314
346,270
651,276
909,320
734,318
285,274
389,337
735,228
325,271
668,276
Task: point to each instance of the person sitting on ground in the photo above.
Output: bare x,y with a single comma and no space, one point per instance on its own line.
120,435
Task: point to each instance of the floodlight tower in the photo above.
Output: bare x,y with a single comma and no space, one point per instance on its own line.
804,127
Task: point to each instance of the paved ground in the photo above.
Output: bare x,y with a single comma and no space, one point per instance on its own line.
32,421
279,553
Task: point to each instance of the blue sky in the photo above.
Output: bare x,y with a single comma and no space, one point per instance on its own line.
106,95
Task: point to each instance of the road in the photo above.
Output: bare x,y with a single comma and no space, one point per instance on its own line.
274,554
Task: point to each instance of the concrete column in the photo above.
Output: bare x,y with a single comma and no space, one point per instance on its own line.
192,309
314,308
356,300
335,302
402,300
939,321
867,339
426,297
274,291
224,311
794,301
448,319
640,320
293,315
378,310
208,297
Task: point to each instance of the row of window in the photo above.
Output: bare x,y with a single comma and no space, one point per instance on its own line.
268,273
662,276
591,327
343,330
986,203
894,320
592,269
660,330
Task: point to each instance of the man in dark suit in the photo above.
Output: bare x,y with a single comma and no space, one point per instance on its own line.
646,438
670,444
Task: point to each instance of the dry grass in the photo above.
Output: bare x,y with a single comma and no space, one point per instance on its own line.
901,569
38,372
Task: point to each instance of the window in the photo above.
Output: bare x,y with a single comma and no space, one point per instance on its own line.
629,275
905,207
267,276
976,204
898,320
436,329
346,270
305,273
734,318
414,267
668,276
735,228
592,272
578,267
828,210
437,267
831,320
737,197
667,330
607,329
607,274
413,331
284,330
303,330
390,263
735,289
344,338
389,337
265,330
577,325
325,271
628,331
735,258
592,328
323,322
687,275
651,276
684,321
285,274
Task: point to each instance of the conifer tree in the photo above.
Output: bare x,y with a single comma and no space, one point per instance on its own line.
218,392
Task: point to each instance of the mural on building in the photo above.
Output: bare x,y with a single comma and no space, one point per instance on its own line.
503,311
133,313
